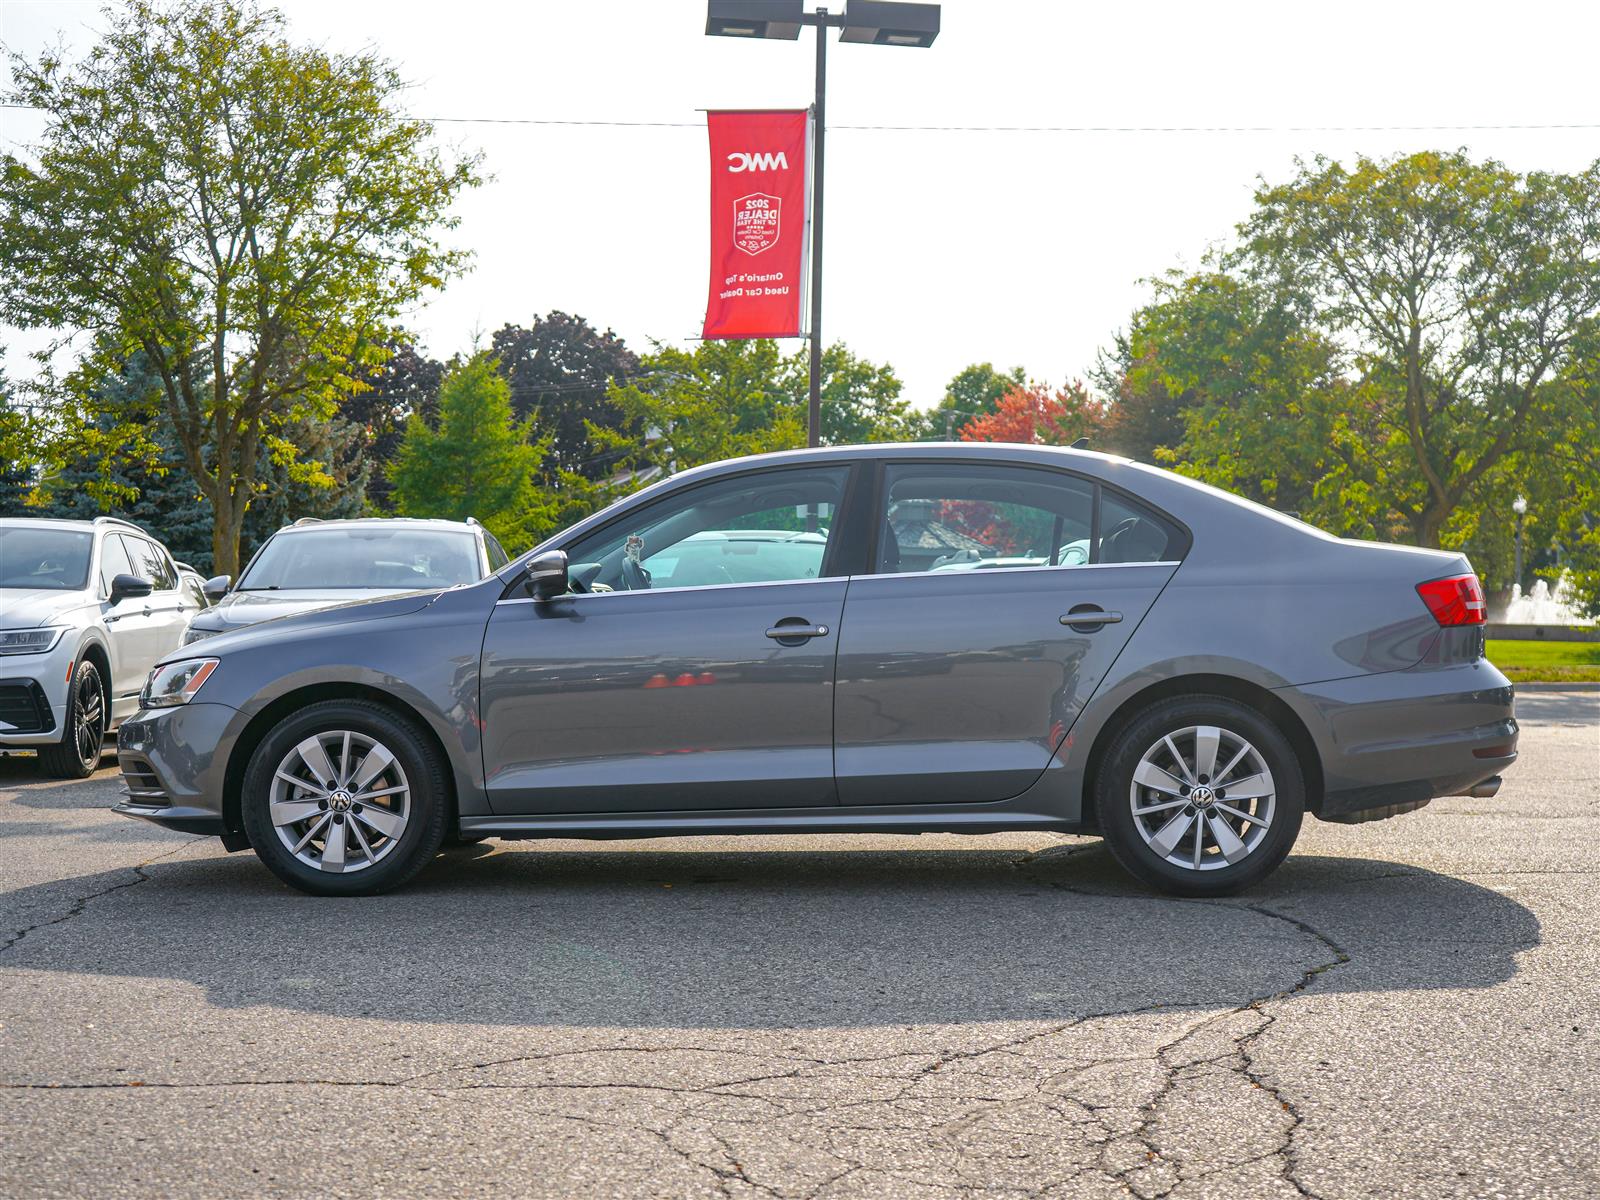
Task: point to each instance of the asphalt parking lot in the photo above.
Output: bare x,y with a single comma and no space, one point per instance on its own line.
1407,1008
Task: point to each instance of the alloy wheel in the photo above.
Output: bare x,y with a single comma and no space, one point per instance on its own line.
1202,798
89,718
340,801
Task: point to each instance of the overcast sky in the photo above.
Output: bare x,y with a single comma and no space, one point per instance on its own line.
943,248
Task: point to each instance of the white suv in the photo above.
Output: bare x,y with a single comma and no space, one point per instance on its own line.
86,609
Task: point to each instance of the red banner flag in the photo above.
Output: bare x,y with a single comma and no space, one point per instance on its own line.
759,182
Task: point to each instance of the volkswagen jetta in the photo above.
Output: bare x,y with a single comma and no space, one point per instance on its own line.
969,638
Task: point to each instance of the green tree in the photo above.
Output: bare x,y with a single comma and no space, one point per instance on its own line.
1456,289
1387,348
476,462
247,212
719,400
861,400
1259,398
154,489
727,399
1144,418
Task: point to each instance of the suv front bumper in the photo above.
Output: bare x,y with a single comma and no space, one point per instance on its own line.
33,694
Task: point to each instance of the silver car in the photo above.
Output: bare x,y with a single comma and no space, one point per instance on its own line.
316,564
86,609
778,644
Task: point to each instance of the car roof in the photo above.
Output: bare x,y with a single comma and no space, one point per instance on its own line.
59,523
438,523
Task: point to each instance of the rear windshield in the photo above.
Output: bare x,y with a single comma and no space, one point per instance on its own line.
57,559
369,557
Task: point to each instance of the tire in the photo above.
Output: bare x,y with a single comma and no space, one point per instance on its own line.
1234,852
77,754
381,822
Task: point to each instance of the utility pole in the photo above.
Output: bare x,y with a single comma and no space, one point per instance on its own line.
819,129
871,22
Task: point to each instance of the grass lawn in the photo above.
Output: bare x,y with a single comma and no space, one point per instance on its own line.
1556,662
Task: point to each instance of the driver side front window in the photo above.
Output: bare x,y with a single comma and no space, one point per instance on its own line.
764,528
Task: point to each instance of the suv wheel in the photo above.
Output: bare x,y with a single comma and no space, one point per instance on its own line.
345,798
1200,796
77,754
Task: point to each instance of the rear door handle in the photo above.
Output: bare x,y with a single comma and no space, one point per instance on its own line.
1093,616
782,633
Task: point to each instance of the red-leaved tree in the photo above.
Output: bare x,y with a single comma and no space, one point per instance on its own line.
1038,414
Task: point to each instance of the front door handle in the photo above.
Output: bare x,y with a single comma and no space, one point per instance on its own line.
1092,616
782,633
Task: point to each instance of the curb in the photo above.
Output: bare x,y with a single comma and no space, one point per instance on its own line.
1558,687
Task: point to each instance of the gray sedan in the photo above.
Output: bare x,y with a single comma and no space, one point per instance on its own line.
969,638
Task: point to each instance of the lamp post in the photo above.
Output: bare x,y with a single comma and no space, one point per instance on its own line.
875,22
1520,507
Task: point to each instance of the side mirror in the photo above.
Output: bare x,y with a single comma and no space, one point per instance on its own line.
125,586
546,576
216,587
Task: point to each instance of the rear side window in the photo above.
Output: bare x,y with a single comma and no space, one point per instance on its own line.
939,518
944,518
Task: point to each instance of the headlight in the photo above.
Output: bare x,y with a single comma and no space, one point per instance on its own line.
176,683
28,641
193,635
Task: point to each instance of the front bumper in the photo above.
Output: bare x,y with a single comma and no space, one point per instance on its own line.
33,687
174,761
1398,739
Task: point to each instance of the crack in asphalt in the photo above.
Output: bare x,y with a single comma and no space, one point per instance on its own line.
1127,1141
80,903
1246,1065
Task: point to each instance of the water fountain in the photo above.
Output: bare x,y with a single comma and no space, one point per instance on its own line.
1544,605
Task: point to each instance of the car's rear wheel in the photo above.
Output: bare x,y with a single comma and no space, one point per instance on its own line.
1200,796
345,798
77,754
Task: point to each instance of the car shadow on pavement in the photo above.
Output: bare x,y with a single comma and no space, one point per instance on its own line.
744,937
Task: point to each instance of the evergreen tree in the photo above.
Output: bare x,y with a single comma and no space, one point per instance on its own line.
406,382
16,465
476,462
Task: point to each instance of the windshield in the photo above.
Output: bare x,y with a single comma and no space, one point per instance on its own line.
398,560
45,558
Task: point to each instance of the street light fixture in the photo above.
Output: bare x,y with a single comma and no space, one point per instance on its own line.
874,22
754,18
1520,507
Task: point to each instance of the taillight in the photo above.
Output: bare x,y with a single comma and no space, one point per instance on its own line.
1457,600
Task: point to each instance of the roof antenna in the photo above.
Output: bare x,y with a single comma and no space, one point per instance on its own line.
1081,444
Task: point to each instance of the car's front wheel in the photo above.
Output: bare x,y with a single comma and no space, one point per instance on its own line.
1200,796
77,754
345,798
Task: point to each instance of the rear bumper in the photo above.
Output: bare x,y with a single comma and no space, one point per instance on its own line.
1401,738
